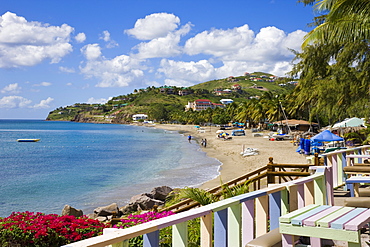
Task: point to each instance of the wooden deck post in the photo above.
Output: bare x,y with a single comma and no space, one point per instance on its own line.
317,160
270,168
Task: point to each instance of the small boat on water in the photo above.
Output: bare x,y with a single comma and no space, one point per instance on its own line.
28,140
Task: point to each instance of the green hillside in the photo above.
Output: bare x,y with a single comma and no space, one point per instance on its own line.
160,103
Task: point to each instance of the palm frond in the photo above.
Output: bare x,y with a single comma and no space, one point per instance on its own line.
199,195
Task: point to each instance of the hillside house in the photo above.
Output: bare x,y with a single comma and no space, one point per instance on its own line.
236,88
218,105
137,117
232,79
202,104
184,92
223,92
167,90
226,101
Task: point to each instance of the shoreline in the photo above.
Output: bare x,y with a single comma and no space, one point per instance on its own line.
233,164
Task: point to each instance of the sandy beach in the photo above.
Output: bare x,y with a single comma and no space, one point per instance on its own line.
228,151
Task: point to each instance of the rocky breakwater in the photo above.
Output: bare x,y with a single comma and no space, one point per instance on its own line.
141,202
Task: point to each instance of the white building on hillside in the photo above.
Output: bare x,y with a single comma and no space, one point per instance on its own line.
226,101
139,116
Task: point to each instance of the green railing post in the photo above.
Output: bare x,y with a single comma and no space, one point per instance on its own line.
180,234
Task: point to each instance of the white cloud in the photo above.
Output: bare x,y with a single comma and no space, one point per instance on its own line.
240,50
12,102
154,26
218,42
164,46
187,73
106,37
44,104
117,72
11,88
80,38
24,43
42,84
269,46
91,51
92,100
67,70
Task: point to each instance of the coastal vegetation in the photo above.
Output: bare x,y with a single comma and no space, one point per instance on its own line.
333,66
46,230
255,92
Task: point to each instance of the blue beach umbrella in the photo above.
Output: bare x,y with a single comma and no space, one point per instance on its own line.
326,136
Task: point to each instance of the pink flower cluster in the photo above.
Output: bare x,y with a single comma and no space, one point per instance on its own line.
38,229
133,219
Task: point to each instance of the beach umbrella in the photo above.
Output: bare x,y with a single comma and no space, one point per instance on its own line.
326,136
219,131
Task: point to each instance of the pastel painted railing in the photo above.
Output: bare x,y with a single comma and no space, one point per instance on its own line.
231,222
338,160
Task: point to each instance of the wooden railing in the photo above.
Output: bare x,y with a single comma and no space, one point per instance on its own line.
338,160
257,179
231,222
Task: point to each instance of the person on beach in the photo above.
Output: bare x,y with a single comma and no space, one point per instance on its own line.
205,142
189,138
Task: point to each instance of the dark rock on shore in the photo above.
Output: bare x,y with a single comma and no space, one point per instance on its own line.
160,193
68,210
111,209
145,201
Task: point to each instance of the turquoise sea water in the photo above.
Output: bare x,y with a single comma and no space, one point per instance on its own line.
91,165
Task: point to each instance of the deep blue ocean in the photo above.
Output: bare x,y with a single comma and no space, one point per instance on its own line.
91,165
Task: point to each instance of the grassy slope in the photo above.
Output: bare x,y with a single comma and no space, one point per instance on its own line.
142,102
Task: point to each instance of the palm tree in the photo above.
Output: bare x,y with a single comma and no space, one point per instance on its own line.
346,21
334,65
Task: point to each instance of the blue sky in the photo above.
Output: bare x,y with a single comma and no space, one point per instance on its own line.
57,53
